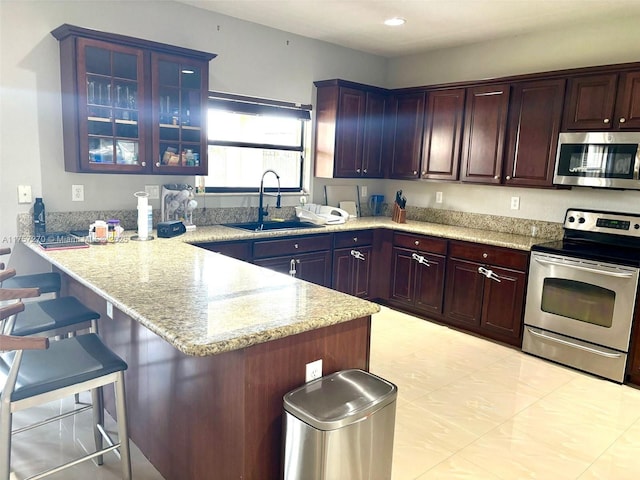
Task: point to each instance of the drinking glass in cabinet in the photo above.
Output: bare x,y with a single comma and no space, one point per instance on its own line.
100,150
127,152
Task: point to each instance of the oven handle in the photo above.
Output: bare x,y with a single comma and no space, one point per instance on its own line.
586,269
575,345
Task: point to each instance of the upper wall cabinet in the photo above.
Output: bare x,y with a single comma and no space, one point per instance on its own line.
532,133
608,101
406,124
132,106
484,133
349,130
442,134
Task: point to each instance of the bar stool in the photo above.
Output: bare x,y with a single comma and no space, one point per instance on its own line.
38,372
47,282
56,316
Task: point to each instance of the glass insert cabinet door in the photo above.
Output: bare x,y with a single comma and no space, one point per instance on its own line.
179,114
111,105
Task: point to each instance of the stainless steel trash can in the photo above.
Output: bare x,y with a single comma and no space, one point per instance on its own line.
340,427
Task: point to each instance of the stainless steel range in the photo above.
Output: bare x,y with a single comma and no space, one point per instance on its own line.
582,292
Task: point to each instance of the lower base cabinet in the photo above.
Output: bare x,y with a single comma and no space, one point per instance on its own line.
485,290
352,262
417,272
312,267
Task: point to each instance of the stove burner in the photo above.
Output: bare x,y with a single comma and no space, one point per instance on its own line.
599,236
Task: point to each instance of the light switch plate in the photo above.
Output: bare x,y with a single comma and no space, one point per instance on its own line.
438,197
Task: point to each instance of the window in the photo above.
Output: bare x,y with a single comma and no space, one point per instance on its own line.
248,136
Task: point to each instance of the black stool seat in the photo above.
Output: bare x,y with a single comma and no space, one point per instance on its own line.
51,314
66,362
47,282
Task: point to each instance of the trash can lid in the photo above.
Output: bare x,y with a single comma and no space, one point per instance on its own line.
339,399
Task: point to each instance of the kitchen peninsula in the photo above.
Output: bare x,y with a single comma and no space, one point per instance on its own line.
212,344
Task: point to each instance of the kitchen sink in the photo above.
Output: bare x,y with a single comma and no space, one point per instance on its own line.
267,226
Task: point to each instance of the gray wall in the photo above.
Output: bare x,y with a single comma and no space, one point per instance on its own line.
605,42
255,60
252,60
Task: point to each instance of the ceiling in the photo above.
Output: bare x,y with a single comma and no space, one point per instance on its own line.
431,24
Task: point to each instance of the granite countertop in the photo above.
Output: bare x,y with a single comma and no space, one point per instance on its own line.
201,302
220,233
204,303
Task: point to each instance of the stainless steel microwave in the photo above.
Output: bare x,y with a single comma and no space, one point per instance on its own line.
598,159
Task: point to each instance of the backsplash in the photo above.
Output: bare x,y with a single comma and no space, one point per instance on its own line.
65,221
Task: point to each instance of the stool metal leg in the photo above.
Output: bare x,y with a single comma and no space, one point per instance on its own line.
5,441
123,430
98,419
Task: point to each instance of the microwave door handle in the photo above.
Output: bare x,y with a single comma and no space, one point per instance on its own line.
586,269
574,345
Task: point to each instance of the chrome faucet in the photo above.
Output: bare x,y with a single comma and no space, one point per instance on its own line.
263,212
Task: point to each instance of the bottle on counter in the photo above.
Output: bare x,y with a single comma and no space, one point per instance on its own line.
39,225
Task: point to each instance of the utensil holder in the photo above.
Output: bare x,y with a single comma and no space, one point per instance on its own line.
398,215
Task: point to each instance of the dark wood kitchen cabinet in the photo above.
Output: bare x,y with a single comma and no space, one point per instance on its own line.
352,262
443,134
131,105
306,257
240,250
485,290
406,124
349,130
418,272
606,101
535,114
485,126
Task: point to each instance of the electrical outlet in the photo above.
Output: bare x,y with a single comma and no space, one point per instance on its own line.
515,203
153,191
77,193
110,310
24,193
314,370
438,197
363,191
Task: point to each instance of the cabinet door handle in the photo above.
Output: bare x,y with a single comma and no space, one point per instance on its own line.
415,172
144,164
485,255
489,274
292,267
417,242
606,120
622,120
357,170
497,177
295,245
355,239
420,259
365,170
358,255
508,177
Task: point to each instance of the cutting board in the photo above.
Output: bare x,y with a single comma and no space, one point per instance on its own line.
334,194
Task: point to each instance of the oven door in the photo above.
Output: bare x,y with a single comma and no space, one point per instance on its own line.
582,299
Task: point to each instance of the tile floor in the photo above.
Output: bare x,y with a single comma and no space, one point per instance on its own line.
467,409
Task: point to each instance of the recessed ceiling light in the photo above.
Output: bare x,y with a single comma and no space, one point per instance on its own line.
395,21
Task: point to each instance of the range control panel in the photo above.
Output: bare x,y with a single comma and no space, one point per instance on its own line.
596,221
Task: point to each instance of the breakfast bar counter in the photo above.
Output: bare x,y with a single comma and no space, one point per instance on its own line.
212,345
